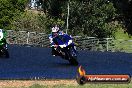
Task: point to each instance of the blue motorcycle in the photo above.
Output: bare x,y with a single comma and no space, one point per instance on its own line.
63,46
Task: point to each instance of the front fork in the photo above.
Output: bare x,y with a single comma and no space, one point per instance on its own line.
73,51
5,46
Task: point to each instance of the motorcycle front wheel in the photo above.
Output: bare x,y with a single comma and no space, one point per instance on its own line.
72,56
5,53
73,60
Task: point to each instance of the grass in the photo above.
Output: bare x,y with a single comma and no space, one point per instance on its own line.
68,84
122,42
85,86
121,35
79,86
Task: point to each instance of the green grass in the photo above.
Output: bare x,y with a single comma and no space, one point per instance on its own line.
80,86
121,35
122,42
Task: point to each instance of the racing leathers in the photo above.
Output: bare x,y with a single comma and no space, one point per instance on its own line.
53,45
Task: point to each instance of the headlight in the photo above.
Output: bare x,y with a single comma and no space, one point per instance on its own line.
62,46
70,41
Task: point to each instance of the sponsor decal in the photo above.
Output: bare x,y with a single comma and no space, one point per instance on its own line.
82,78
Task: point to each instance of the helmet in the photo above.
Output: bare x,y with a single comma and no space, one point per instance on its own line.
1,30
1,34
55,29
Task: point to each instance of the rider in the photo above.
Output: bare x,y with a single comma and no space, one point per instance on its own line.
3,36
55,32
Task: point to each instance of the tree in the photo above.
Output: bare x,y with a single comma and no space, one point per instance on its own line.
9,9
53,8
124,8
46,5
28,21
92,18
87,17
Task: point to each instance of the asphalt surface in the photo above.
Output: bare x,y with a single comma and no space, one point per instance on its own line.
38,63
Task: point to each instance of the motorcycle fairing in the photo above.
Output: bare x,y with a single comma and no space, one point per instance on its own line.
62,40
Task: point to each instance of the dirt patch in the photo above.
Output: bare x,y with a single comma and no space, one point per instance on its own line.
27,83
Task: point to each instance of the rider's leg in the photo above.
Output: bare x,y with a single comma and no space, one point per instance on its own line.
53,51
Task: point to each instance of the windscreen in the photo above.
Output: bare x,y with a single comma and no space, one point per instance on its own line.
61,39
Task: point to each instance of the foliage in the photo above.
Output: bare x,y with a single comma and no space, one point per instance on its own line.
29,22
96,18
34,22
124,8
9,9
51,22
53,8
93,18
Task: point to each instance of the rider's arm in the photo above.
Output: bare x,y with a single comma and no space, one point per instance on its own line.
61,33
51,38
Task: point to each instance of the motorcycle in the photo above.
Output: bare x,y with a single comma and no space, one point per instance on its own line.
3,46
64,47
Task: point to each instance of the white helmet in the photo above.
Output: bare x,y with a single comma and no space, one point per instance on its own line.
1,34
55,29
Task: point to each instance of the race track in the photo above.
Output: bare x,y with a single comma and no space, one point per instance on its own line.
37,63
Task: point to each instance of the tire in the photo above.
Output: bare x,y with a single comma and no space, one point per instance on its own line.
72,57
73,61
5,53
81,80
